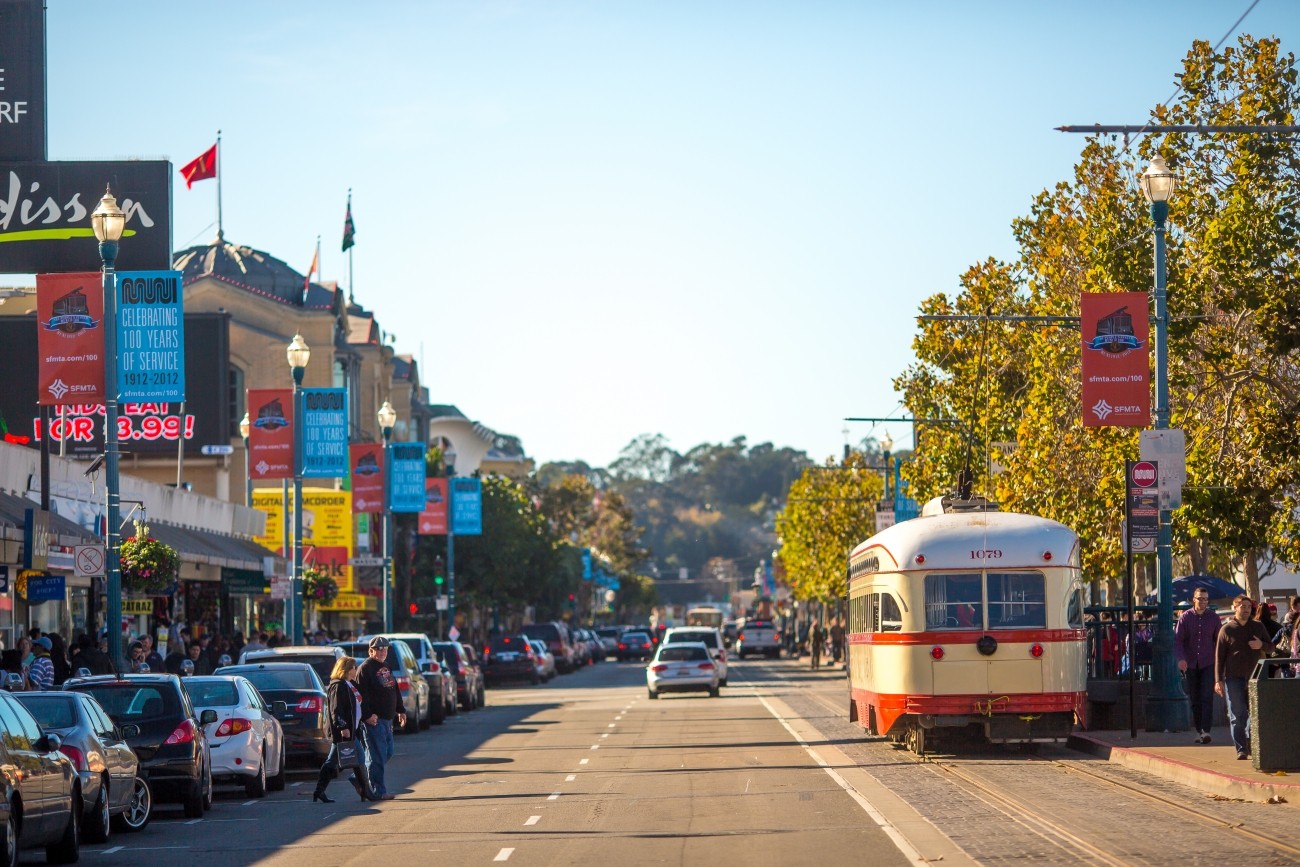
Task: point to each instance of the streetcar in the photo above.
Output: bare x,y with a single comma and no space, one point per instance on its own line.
967,621
704,616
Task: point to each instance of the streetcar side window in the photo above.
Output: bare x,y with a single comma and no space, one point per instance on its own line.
891,619
954,601
1074,613
1017,600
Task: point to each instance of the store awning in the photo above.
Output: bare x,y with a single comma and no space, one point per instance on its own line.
205,546
13,512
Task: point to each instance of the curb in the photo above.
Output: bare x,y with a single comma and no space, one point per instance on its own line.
1211,782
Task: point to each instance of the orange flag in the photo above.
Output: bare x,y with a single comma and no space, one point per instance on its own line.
203,166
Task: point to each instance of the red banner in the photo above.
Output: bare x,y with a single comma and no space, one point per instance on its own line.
270,433
433,520
367,477
70,338
1116,367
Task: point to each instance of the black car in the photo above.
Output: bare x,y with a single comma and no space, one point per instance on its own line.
634,645
41,790
510,657
155,713
305,721
468,687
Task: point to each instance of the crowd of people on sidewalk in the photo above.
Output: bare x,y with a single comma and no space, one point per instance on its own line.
1218,657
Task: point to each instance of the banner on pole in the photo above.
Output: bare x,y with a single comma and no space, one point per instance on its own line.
1115,366
322,433
367,477
70,338
270,433
433,516
406,477
467,507
150,336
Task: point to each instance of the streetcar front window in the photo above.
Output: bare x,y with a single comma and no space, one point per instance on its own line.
1017,600
954,601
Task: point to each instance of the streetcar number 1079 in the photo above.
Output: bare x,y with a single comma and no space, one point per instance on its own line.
985,553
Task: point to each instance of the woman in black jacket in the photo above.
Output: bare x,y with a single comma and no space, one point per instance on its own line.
344,710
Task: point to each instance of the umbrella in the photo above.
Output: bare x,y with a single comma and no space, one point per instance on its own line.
1217,587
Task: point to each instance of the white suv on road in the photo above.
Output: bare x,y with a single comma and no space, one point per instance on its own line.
710,637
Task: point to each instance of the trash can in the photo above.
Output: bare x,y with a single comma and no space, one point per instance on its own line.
1274,708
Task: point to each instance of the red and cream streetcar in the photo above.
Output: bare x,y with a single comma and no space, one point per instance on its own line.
967,619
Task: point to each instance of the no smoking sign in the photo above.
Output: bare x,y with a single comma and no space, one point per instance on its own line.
89,560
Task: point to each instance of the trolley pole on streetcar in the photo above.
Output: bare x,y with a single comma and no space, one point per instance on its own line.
1166,707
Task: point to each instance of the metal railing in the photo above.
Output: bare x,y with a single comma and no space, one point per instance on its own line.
1110,652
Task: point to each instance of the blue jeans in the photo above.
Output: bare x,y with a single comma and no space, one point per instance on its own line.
379,739
1234,689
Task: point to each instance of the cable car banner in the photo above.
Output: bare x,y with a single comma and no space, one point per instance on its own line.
1115,367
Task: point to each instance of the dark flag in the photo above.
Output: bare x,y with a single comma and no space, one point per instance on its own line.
349,230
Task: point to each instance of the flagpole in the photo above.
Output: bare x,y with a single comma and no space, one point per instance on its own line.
220,233
351,291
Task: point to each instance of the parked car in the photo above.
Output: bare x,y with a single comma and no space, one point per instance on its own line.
33,771
167,734
112,793
246,740
608,636
401,661
466,674
682,668
510,657
320,658
545,661
472,659
634,645
441,690
558,642
595,651
709,636
304,721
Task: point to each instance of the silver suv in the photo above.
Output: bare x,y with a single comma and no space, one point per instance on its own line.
758,636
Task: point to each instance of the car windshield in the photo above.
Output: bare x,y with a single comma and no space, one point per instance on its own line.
709,638
279,677
51,711
682,654
211,693
323,663
631,637
415,644
447,653
508,644
135,702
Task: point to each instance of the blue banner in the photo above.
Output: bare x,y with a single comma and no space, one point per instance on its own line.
586,564
466,507
150,337
405,477
48,588
321,426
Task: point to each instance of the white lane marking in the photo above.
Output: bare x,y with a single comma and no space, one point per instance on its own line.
611,726
249,803
584,761
111,851
570,778
605,735
553,796
904,845
193,821
533,820
504,855
595,746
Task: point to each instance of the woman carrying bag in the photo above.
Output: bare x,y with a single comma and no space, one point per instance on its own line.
344,710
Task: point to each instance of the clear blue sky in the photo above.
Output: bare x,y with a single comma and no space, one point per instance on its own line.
593,219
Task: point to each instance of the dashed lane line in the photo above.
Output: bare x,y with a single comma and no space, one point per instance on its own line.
584,761
533,820
570,778
504,855
553,796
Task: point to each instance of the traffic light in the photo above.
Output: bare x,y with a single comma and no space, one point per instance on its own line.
423,606
438,571
414,608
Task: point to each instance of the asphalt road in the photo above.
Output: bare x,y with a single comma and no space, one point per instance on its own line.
583,770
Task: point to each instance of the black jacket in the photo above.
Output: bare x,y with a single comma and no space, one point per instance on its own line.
342,711
379,693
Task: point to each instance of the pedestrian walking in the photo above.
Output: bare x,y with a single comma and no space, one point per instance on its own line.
344,711
41,673
815,639
381,703
1240,645
837,641
1195,638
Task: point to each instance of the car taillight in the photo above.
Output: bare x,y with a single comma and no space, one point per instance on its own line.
936,652
77,756
183,734
658,668
487,652
622,646
646,646
233,726
707,666
403,683
776,636
309,704
1036,651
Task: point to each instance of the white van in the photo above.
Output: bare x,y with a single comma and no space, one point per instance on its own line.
710,637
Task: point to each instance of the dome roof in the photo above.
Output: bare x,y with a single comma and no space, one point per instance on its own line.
252,270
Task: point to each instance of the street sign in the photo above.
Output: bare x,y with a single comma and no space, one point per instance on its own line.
218,450
453,633
884,518
1141,503
88,560
1167,449
365,561
442,603
1141,544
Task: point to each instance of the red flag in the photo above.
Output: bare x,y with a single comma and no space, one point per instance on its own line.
315,257
203,167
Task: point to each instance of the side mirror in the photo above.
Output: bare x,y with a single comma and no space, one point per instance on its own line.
279,707
49,743
130,730
207,716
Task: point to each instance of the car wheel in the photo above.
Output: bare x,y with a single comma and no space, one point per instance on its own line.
276,783
713,692
138,808
722,682
438,712
256,787
412,721
68,849
101,827
652,693
193,803
481,701
453,707
207,791
10,840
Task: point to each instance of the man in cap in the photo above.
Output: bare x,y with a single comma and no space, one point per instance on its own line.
381,703
41,674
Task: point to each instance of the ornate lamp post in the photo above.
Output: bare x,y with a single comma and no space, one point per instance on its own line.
886,446
298,353
244,425
108,221
1167,708
387,417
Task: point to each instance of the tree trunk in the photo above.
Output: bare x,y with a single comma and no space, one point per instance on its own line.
1251,569
1199,551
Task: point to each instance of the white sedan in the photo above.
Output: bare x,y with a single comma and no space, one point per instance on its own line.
246,741
682,667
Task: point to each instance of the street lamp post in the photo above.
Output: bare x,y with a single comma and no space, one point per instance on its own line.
387,417
108,221
298,353
886,446
244,425
1166,708
449,461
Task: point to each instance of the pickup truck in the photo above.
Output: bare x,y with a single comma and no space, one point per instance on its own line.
758,636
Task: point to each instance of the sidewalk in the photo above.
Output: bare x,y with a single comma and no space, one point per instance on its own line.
1213,768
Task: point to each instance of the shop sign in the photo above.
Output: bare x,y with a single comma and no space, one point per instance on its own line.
350,602
44,587
248,582
137,606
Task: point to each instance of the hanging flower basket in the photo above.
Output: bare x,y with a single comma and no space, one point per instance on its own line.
318,588
20,586
149,567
